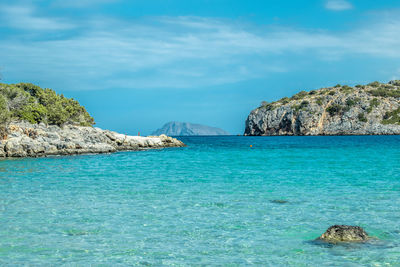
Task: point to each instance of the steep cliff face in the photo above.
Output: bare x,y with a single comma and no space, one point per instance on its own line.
340,110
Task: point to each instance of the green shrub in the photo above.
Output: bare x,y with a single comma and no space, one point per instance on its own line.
351,102
392,117
31,103
345,109
337,86
304,104
331,93
395,82
269,106
4,113
374,84
387,86
299,95
346,89
384,92
301,106
362,118
284,100
374,102
312,92
334,109
319,101
34,113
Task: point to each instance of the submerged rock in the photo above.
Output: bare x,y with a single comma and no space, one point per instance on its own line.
279,201
344,233
33,140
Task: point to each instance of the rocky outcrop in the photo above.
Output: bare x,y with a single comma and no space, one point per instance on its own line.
188,129
372,109
344,233
24,139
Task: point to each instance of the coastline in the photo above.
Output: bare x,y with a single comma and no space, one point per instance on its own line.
39,140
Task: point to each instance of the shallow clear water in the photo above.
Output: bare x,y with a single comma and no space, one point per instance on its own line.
210,203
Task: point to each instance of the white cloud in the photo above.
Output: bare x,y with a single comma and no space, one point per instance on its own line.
186,52
23,17
81,3
338,5
396,75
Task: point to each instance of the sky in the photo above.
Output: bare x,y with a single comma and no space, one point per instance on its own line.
136,65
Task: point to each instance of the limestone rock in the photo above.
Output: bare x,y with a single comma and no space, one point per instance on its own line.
372,109
33,140
344,233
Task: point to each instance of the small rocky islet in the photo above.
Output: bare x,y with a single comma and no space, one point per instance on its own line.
372,109
344,234
39,122
175,128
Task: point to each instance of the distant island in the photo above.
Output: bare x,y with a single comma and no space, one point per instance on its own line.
372,109
39,122
188,129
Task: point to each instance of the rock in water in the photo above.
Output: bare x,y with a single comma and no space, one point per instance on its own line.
344,233
372,109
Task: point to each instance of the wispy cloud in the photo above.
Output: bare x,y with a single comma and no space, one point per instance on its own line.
338,5
396,75
81,3
184,52
24,17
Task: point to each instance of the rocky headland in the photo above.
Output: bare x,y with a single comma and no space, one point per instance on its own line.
39,122
372,109
34,140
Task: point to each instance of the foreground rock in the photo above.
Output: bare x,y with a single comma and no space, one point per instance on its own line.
372,109
33,140
344,233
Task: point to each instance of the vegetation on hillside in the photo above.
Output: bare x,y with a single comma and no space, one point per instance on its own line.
341,99
28,102
392,117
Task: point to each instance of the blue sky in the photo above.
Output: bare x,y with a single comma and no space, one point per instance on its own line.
138,64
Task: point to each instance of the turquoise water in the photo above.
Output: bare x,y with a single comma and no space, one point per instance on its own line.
210,203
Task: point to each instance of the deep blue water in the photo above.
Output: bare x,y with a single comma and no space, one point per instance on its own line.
206,204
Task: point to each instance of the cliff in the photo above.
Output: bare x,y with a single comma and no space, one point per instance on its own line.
372,109
187,129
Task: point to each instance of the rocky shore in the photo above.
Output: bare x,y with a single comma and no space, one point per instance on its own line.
23,139
372,109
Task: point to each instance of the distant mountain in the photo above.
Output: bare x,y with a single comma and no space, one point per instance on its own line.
184,129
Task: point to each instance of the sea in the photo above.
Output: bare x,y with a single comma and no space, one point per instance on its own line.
220,201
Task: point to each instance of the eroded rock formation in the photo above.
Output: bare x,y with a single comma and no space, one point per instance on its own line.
372,109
